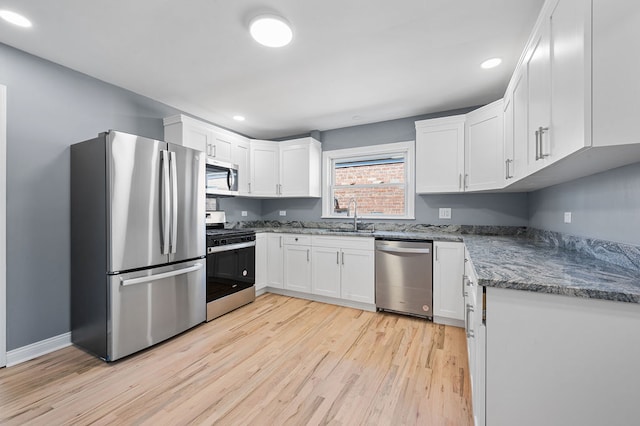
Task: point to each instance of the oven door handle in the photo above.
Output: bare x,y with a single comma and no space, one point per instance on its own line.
146,279
229,247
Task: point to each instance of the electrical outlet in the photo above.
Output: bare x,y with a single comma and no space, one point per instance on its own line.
567,217
444,213
244,213
283,212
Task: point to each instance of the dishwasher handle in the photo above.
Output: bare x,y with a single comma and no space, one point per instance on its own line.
390,249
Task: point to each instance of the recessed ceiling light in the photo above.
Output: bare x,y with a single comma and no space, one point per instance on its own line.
15,18
270,31
491,63
238,117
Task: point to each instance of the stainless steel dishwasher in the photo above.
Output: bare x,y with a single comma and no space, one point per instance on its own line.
404,276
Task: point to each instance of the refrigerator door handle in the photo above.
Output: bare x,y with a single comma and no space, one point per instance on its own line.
164,202
141,280
174,203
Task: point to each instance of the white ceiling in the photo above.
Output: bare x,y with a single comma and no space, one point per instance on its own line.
351,61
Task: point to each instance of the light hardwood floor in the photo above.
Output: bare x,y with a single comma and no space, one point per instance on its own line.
277,361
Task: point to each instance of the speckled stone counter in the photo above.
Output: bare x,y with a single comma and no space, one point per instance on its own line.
514,257
523,264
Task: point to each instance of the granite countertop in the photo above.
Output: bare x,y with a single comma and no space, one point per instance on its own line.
519,262
429,235
523,264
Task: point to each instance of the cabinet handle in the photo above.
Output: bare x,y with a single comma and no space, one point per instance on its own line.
537,145
337,257
280,189
470,333
436,250
466,181
249,185
213,150
307,255
281,241
465,278
460,181
508,175
343,258
541,131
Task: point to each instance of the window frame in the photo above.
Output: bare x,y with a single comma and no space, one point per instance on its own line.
407,149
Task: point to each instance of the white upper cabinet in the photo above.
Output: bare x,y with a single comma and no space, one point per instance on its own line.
462,152
572,91
484,148
265,168
440,155
285,169
215,141
240,155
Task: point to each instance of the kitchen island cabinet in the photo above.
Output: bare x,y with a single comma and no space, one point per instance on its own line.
560,360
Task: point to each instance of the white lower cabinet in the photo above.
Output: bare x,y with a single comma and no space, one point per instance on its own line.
326,271
358,275
297,263
262,261
448,269
343,267
475,331
275,257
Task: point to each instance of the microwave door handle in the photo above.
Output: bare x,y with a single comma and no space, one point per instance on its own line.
231,179
174,203
165,212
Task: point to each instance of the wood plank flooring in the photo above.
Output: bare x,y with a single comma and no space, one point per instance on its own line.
277,361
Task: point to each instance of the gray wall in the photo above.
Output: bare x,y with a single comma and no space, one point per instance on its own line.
467,209
603,206
50,107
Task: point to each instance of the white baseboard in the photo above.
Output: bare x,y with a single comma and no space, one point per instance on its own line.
323,299
448,321
34,350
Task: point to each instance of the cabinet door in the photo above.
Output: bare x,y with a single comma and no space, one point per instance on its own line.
440,155
520,99
221,146
325,276
240,156
539,96
294,170
297,268
197,137
265,172
508,138
275,261
569,80
358,275
262,261
484,148
448,269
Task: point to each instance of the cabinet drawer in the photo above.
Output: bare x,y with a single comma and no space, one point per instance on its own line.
299,240
358,243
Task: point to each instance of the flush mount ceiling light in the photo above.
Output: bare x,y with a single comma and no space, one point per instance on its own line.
270,31
238,117
491,63
15,18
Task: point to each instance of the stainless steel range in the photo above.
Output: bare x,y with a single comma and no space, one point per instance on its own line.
231,263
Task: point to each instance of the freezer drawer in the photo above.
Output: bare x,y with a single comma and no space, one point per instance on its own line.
149,306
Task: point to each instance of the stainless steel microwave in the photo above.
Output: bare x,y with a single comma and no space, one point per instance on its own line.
222,178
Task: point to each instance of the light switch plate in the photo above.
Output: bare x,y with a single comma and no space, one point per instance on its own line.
567,217
283,212
244,213
444,213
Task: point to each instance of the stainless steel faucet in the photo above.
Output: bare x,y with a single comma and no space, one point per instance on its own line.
355,212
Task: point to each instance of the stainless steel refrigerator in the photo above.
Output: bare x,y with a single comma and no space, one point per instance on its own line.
137,243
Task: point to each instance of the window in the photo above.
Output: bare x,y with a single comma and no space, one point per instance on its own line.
379,178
